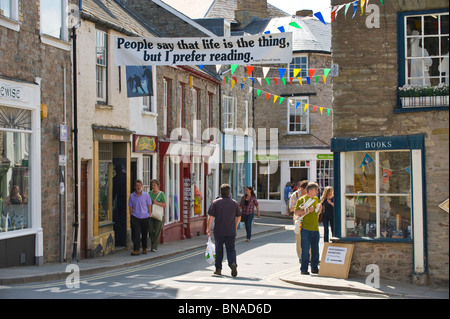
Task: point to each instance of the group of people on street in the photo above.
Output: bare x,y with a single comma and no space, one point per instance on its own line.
141,222
226,213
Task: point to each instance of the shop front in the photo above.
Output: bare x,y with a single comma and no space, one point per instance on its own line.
273,172
188,179
380,202
21,233
112,170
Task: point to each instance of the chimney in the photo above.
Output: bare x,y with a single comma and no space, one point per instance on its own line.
247,10
304,13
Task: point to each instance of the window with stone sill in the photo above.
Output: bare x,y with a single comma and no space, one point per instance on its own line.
54,19
424,48
298,117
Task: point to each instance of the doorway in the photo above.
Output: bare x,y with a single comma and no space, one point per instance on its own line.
299,174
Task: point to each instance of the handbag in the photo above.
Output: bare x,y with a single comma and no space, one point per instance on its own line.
157,211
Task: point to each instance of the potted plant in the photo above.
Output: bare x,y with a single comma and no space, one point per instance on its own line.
424,96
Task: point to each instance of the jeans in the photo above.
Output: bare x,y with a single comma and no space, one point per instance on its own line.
139,227
310,240
229,245
248,225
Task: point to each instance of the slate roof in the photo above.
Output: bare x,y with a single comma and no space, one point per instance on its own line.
197,9
115,16
313,37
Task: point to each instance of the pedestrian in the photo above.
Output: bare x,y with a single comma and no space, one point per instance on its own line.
287,193
227,215
310,228
247,205
327,204
158,199
301,191
140,206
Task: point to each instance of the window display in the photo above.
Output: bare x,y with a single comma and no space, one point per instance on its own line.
15,211
378,194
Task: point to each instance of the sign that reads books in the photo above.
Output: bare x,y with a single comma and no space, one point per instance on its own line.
255,49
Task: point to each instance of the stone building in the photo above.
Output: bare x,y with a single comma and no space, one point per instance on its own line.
35,133
391,150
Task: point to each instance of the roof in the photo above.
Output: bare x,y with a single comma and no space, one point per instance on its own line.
116,17
313,36
197,9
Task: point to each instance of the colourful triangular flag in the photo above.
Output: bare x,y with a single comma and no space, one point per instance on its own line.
298,103
366,160
386,174
281,29
321,110
281,99
362,6
306,107
242,86
328,112
324,79
296,71
295,25
284,81
346,9
233,68
265,71
317,79
319,16
355,8
326,71
300,81
275,80
267,96
250,70
258,93
308,79
268,82
281,71
275,98
311,72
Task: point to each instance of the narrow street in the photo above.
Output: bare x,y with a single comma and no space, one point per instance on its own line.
261,263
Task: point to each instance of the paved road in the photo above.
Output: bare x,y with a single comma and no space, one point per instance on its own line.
261,263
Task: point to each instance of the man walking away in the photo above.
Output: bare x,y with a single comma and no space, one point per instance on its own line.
227,215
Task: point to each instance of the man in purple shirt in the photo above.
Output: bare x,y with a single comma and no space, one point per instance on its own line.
227,215
140,205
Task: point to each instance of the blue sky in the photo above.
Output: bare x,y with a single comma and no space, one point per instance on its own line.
291,6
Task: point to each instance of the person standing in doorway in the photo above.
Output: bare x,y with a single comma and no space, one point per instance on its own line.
140,206
327,203
248,204
310,228
227,215
155,226
301,191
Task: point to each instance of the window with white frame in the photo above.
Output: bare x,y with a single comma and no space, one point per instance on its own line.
377,194
299,62
54,19
101,40
325,174
147,176
229,113
196,113
9,9
172,190
426,45
298,117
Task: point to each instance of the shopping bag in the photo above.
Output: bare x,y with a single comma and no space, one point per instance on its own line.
210,253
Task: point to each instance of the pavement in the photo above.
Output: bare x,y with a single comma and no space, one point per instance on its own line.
122,259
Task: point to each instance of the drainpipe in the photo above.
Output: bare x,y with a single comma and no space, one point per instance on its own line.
75,143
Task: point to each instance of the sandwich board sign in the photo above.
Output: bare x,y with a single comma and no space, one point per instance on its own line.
336,259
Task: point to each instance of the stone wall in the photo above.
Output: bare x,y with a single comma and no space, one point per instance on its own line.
364,98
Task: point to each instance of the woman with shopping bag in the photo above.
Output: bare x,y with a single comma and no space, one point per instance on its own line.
248,204
157,216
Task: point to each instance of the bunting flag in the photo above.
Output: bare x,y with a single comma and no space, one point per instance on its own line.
250,70
366,160
233,68
319,16
295,25
355,8
386,174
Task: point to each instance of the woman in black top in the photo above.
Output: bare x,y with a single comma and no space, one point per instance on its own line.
328,212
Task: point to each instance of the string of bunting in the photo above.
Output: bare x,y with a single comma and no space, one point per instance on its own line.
276,98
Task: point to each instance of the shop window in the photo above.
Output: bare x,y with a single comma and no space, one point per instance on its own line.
377,194
15,210
268,180
172,190
325,174
105,184
298,117
424,48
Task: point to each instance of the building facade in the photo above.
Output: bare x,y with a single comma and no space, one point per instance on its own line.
36,179
390,152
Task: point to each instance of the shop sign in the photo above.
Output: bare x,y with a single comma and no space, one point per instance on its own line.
324,156
144,144
14,93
